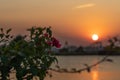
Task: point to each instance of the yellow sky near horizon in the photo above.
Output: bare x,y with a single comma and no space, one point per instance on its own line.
71,20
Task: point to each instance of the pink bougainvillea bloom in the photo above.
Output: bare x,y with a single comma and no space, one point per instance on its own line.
58,45
55,42
46,34
49,43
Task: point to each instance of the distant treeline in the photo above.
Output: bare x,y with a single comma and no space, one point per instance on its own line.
99,53
97,48
96,53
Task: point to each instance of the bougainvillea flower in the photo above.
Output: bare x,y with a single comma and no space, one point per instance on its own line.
46,35
55,42
49,43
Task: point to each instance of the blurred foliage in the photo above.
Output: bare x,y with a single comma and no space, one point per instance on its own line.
30,56
27,56
114,45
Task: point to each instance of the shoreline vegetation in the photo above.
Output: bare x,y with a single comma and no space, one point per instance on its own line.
96,48
86,54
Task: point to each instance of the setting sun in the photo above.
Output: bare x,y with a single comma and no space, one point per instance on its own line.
95,37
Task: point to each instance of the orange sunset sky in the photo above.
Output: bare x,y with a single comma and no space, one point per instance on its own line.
71,20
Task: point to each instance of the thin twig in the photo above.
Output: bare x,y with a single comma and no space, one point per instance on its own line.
61,70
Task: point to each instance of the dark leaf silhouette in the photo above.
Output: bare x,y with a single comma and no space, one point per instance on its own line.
1,29
88,69
109,60
8,31
57,66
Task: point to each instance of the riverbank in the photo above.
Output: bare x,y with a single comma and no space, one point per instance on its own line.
90,54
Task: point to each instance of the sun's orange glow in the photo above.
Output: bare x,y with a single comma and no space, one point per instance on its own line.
95,37
95,75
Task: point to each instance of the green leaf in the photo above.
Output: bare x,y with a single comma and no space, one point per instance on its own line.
34,70
89,69
109,60
8,31
4,59
1,29
7,36
40,30
1,40
31,30
1,35
48,30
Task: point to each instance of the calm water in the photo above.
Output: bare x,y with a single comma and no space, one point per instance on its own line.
104,71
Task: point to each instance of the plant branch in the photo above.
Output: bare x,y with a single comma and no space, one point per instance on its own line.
87,68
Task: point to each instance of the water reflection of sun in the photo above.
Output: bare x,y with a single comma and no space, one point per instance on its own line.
95,75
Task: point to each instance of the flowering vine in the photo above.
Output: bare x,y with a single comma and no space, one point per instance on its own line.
27,56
